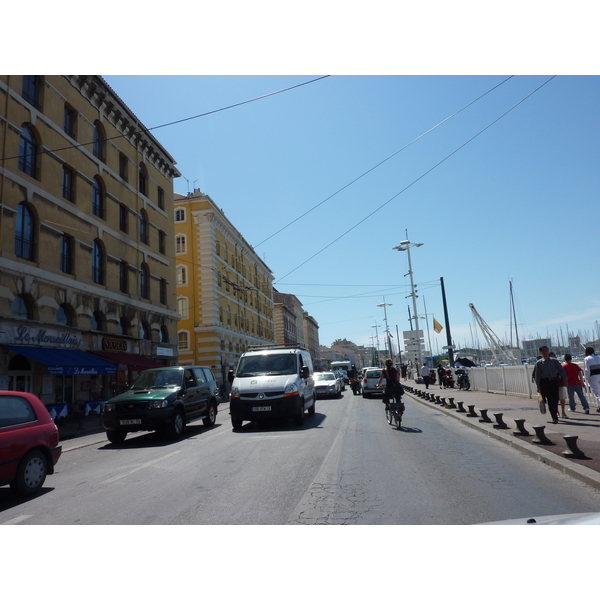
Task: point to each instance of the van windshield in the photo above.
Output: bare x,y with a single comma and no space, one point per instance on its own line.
267,364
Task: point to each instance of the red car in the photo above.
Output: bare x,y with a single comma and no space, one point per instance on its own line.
29,446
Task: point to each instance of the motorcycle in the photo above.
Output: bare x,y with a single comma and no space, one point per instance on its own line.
463,380
355,386
448,381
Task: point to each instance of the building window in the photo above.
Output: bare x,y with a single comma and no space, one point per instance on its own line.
180,244
98,262
143,227
183,307
27,152
24,233
97,322
123,218
183,339
161,198
65,315
68,184
70,121
21,309
124,277
164,335
145,331
97,198
181,275
144,281
143,177
163,291
32,85
66,253
161,242
99,141
123,163
180,214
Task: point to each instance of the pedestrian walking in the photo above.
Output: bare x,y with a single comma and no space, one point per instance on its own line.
562,392
425,375
547,372
403,371
441,372
575,384
591,368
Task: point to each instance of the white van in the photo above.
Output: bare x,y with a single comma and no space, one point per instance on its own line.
272,382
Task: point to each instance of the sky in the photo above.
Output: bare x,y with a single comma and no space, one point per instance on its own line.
497,176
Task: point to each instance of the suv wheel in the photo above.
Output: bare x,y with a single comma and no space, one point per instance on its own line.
236,424
211,417
176,426
300,415
116,437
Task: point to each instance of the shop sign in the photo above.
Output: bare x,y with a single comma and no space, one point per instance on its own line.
164,351
113,345
45,337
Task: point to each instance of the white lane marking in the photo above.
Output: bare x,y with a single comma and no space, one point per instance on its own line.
17,520
142,466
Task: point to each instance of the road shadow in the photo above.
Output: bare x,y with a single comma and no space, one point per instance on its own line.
282,424
8,499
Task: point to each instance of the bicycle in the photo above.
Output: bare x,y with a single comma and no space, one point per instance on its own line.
394,410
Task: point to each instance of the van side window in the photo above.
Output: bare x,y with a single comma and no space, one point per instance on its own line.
200,376
301,362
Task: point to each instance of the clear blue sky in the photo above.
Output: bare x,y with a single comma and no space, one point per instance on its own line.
519,202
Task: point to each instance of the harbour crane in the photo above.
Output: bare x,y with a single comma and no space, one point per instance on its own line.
502,354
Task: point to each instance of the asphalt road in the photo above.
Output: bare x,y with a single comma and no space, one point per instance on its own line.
346,465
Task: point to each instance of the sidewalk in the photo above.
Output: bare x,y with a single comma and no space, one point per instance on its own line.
585,427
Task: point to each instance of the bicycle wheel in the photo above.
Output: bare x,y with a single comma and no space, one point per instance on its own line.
388,416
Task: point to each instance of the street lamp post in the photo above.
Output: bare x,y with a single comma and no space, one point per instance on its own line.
377,336
387,329
406,246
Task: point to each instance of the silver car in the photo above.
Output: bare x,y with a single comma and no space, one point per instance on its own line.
327,384
371,376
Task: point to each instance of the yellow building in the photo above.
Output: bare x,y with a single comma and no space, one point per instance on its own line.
224,290
87,258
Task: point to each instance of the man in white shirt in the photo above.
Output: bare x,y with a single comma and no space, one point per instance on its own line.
591,368
425,374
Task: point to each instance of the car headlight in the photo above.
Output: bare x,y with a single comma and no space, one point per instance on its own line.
290,389
235,391
158,404
109,407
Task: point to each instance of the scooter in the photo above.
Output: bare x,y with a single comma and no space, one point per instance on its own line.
448,380
355,386
463,380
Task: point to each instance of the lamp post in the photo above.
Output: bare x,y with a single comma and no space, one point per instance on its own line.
387,329
377,337
406,246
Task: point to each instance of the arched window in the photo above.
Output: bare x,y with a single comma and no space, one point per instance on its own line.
144,281
145,331
125,326
183,307
181,275
28,152
144,227
143,177
21,308
65,315
164,335
98,321
98,262
99,142
183,340
24,232
180,244
98,198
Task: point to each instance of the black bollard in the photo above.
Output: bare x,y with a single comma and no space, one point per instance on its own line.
450,403
460,406
572,451
521,427
484,416
471,412
499,424
540,436
438,400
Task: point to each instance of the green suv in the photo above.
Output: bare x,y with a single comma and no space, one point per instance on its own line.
163,400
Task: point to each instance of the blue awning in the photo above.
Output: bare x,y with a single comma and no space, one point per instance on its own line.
61,361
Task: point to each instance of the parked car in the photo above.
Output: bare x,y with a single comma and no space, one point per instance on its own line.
371,376
29,446
164,400
327,384
340,376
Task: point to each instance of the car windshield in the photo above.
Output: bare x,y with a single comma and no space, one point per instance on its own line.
373,374
325,376
154,379
267,364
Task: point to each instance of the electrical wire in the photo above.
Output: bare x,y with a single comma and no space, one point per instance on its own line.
382,162
415,181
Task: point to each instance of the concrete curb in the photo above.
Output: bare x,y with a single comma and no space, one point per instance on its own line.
564,465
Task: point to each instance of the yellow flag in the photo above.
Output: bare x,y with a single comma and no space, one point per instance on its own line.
436,325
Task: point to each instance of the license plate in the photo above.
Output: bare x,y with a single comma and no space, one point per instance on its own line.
260,408
131,422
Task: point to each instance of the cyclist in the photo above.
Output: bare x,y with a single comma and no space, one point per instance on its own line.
392,375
